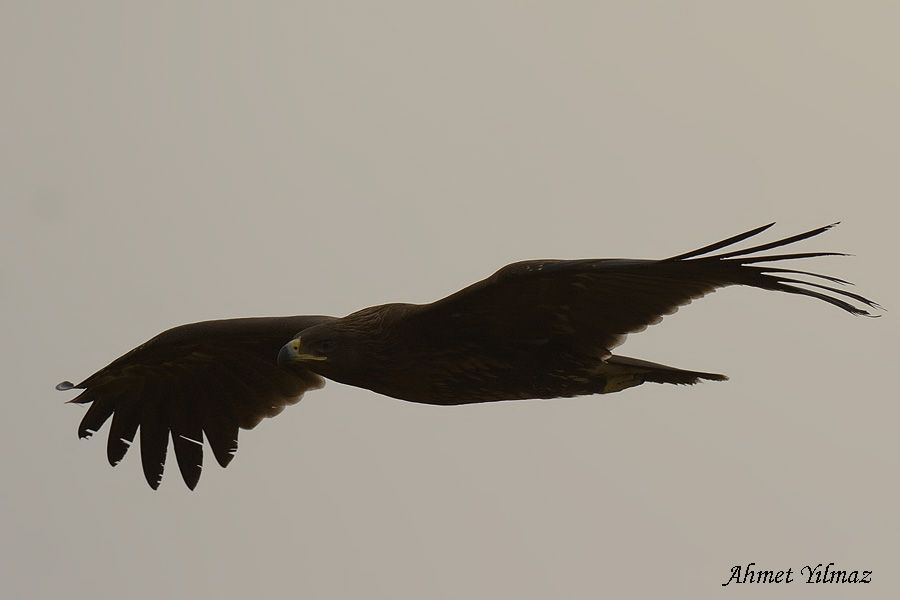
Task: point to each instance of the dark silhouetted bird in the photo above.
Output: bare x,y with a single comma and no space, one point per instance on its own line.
533,329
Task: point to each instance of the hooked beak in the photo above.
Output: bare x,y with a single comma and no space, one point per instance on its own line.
290,353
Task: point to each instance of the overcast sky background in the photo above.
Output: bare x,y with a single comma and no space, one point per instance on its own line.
164,164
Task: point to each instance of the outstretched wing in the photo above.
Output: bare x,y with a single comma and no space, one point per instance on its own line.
208,378
594,303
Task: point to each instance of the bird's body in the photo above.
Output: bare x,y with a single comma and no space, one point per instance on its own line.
447,361
535,329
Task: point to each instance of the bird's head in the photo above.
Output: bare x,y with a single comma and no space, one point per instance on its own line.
325,349
349,350
310,346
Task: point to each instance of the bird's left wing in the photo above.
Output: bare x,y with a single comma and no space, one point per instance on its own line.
595,303
208,378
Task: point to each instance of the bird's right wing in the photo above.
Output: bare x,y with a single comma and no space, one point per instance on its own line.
203,379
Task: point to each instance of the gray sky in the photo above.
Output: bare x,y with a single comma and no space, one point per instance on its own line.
168,164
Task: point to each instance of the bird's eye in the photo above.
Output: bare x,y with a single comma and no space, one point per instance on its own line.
326,345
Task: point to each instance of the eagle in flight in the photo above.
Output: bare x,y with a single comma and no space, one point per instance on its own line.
533,329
